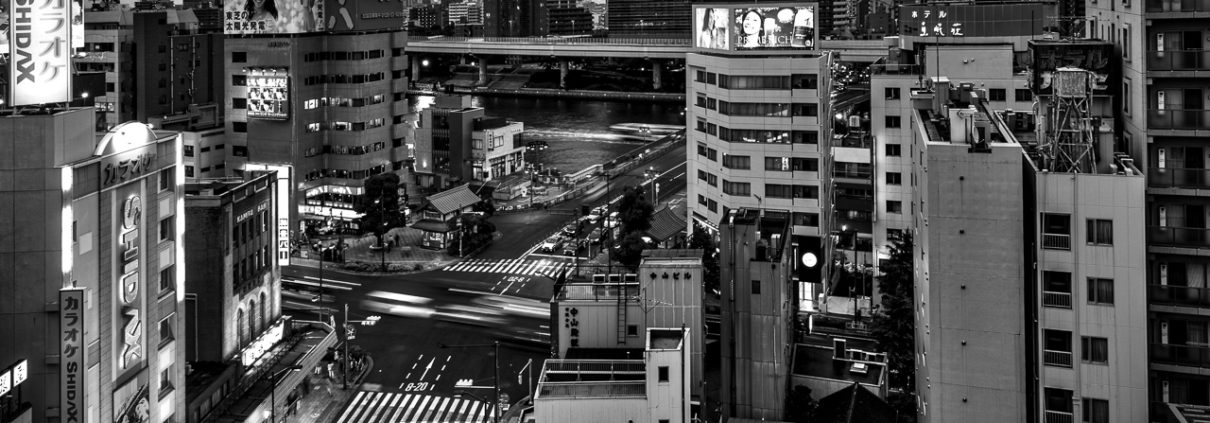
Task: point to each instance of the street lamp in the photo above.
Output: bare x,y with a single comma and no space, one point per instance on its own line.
496,380
273,390
651,175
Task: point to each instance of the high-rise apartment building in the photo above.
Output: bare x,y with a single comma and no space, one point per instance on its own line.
1162,47
649,18
93,257
324,109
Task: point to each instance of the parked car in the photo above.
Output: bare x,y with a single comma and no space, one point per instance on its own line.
571,248
551,244
611,221
596,214
570,230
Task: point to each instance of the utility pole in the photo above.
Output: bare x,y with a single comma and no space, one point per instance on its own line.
344,376
496,385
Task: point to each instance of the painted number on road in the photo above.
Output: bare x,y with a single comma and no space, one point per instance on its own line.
516,279
419,387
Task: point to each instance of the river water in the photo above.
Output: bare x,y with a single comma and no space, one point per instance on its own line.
577,131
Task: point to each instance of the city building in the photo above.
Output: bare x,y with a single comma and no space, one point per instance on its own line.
235,285
759,306
92,250
649,18
1047,231
1164,120
429,17
444,153
326,110
441,214
651,387
497,148
831,364
567,18
511,18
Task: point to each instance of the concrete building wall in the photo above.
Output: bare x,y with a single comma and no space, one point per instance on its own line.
675,302
598,325
970,333
592,410
208,155
668,399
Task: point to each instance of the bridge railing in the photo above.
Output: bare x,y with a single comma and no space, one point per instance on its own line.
545,40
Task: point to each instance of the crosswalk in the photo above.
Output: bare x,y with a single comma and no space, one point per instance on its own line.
390,407
524,267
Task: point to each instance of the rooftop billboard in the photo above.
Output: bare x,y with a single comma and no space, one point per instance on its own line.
975,20
788,26
39,67
365,15
272,16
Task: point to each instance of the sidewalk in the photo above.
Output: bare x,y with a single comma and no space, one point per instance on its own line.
327,397
404,257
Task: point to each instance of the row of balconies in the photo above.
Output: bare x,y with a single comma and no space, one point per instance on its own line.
1179,60
1157,294
1169,177
1179,119
1177,6
1173,236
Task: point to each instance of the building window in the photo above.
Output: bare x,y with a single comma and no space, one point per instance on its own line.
1126,97
1056,348
1056,231
779,164
166,334
188,151
1096,410
804,81
997,94
1056,289
895,207
893,150
805,164
168,278
805,137
167,178
737,162
1100,231
711,78
165,382
188,171
239,127
699,76
239,57
1059,401
743,189
1023,94
167,229
239,80
755,287
806,109
779,191
894,178
663,373
891,93
892,121
239,103
1094,349
632,330
1100,291
712,205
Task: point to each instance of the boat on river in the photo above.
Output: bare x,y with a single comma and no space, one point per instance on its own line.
645,131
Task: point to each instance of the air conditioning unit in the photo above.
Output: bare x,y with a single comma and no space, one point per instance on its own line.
1163,273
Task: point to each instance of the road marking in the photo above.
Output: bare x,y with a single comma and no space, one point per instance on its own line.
426,369
510,285
328,280
325,285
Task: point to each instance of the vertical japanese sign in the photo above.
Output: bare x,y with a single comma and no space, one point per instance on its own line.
130,330
283,241
39,67
71,355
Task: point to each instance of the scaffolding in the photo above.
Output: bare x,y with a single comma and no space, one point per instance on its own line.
1067,138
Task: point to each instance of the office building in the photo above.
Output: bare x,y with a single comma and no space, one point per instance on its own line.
443,142
498,151
649,18
652,386
1050,329
567,18
324,109
1162,48
759,304
92,256
234,286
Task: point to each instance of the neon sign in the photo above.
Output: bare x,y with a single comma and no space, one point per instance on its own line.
71,354
129,286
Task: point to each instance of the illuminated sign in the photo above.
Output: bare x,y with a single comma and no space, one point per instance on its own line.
20,372
40,61
77,25
977,20
130,334
258,347
773,27
269,95
711,25
272,16
6,382
124,167
132,402
364,15
283,241
71,355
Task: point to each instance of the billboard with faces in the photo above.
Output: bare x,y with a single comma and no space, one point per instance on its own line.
768,27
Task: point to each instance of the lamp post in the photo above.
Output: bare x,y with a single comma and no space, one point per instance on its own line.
273,390
651,175
496,372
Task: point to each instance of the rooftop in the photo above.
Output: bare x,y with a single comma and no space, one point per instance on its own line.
219,186
664,339
453,199
816,361
587,378
854,404
666,223
1184,413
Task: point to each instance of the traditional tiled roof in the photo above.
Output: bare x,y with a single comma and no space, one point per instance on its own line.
453,199
666,223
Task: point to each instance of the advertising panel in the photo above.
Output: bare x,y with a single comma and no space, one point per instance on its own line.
268,95
1094,56
774,27
711,26
354,15
71,355
128,254
989,20
77,25
132,402
39,67
272,16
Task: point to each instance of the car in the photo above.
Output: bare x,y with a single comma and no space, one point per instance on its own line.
551,244
612,220
596,214
570,230
595,236
570,249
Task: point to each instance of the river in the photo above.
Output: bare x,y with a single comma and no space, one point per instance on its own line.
577,131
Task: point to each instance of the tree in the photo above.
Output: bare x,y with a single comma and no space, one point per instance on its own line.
630,249
710,271
634,211
379,204
799,405
894,325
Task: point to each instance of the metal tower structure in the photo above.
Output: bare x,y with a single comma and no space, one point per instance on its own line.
1067,139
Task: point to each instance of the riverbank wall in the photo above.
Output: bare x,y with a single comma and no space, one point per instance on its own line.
552,93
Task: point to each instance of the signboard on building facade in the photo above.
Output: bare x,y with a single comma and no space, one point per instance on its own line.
362,15
1093,56
268,94
39,68
767,26
129,331
71,355
132,402
272,16
975,20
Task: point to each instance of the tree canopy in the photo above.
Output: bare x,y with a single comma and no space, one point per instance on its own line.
894,326
379,204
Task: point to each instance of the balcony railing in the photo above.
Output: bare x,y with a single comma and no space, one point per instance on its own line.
1180,354
1179,60
1056,241
1169,177
1059,417
1056,299
1155,6
1182,119
1056,358
1172,236
1179,295
896,69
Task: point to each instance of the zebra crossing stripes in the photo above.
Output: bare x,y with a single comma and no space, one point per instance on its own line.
524,267
390,407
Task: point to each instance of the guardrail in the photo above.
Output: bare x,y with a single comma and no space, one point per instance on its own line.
672,42
1180,354
1172,236
1179,60
1056,299
1178,295
1056,241
1169,177
1056,358
1179,119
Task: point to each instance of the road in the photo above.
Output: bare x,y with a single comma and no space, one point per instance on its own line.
438,328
